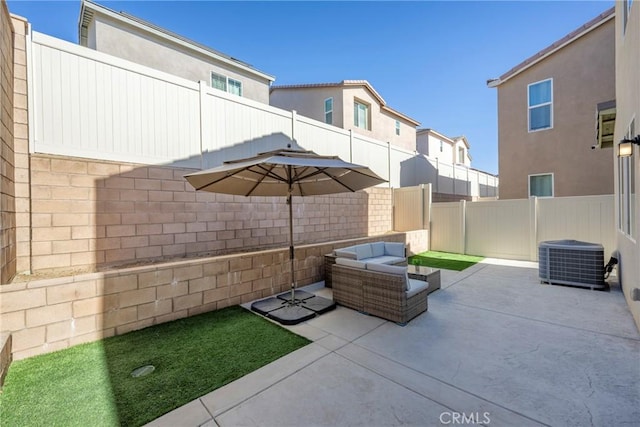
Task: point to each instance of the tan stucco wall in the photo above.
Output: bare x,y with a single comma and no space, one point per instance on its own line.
628,108
128,42
583,75
383,124
309,102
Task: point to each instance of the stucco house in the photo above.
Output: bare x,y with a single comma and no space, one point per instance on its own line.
452,150
625,160
128,37
546,108
349,104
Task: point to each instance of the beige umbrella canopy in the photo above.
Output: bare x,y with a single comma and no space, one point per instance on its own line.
287,173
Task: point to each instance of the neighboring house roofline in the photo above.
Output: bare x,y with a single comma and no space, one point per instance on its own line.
463,138
344,83
436,134
86,16
596,22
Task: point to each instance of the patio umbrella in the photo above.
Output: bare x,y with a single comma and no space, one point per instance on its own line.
287,173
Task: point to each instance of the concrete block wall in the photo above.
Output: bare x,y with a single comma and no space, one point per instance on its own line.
7,172
90,213
21,146
53,314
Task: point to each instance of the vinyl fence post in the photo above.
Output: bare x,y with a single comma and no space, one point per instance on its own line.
463,226
202,92
533,228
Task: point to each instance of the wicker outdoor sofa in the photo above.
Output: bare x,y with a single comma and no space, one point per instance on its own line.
380,290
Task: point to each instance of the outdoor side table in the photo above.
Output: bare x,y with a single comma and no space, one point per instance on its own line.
426,274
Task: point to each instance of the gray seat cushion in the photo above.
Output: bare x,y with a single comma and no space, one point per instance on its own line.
415,286
385,259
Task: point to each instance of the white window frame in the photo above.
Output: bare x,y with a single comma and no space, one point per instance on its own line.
367,119
328,111
553,185
461,155
441,146
398,127
228,83
627,190
530,107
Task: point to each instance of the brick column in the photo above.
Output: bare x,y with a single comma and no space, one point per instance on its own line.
21,147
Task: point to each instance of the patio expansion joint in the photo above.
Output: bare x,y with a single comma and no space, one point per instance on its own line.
419,373
468,274
548,323
263,389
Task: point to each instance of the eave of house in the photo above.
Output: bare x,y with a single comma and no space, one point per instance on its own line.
585,29
436,134
348,83
88,9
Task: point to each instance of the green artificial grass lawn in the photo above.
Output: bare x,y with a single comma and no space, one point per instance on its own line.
444,260
91,384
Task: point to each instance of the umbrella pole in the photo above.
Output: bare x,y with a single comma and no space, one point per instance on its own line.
291,253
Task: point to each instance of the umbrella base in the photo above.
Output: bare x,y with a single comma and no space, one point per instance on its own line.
299,296
319,305
300,311
291,314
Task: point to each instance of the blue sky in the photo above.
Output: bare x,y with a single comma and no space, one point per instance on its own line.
429,60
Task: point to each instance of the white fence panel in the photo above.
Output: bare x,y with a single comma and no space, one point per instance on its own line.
411,208
589,218
402,165
513,229
447,227
235,127
91,106
371,153
322,138
460,182
499,229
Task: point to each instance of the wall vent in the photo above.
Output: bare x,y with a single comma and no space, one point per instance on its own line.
571,262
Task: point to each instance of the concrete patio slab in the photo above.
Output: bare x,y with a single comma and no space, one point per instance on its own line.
495,348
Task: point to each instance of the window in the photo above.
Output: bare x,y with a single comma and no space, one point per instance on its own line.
226,84
627,190
541,185
235,87
441,146
540,99
218,81
397,127
328,111
361,115
460,155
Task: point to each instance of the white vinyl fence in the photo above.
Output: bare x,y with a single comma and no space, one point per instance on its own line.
412,208
513,229
85,103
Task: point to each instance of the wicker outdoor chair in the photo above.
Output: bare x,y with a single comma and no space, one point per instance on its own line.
377,293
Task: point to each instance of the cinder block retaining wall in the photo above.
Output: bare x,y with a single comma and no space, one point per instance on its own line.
52,314
87,213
